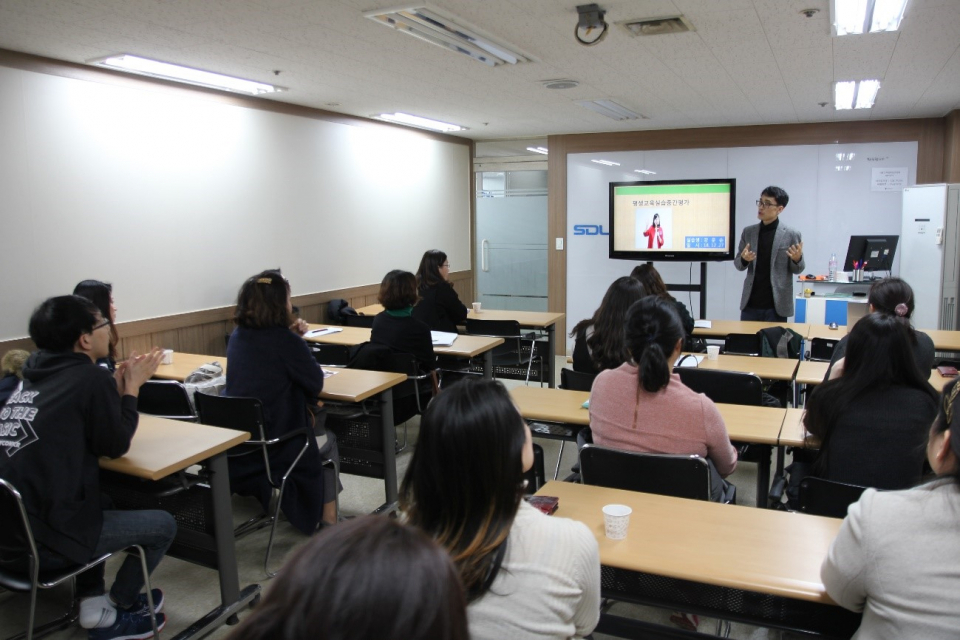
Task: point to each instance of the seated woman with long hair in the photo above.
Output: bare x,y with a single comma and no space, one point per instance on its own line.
370,578
895,558
526,574
101,294
642,406
893,297
269,360
872,421
395,327
439,306
598,341
653,284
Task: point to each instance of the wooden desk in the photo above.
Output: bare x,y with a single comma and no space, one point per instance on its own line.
793,433
542,320
463,347
812,373
161,447
944,340
755,425
721,328
764,368
186,363
773,553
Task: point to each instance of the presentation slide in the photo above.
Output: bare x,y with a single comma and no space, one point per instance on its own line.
672,218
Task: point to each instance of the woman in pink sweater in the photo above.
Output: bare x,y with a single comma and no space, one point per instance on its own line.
642,406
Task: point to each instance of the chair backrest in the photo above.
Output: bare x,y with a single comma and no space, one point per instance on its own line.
536,477
370,356
729,387
576,380
165,398
358,321
821,497
331,355
681,476
494,328
17,537
242,414
742,344
821,349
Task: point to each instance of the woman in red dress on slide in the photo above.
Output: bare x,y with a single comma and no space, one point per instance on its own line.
654,230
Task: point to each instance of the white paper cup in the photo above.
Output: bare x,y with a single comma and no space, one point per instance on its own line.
476,307
616,520
167,356
713,352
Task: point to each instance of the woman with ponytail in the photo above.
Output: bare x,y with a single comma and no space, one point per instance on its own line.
895,558
893,297
642,406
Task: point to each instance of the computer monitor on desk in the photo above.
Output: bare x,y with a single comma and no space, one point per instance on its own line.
874,253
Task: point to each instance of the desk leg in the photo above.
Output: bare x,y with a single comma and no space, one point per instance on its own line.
552,353
488,364
232,599
763,476
389,453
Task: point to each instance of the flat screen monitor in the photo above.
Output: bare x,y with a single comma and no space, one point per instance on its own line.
876,252
678,220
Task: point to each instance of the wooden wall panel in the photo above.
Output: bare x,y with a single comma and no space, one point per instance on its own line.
557,228
951,150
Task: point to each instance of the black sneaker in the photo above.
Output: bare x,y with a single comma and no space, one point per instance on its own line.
130,625
140,605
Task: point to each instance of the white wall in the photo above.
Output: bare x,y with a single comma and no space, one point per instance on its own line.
827,207
176,198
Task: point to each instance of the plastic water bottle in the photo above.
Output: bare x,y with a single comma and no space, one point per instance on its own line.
833,267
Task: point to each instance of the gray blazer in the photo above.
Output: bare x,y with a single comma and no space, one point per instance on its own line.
782,268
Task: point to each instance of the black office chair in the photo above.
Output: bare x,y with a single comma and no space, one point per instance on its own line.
576,380
742,344
536,477
331,355
246,414
680,476
512,359
821,497
166,399
18,541
365,322
821,349
728,387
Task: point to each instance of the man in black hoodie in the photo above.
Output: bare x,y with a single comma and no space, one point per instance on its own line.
65,414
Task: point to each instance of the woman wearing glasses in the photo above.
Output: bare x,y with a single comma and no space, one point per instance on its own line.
439,307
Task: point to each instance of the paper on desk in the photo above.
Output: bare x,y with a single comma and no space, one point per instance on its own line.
702,324
315,333
443,338
688,360
329,372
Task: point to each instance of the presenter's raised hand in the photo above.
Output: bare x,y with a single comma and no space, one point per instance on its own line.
796,252
748,256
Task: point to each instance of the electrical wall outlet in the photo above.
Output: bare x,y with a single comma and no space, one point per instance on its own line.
559,244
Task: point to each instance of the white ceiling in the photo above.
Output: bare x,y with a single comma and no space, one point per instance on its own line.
748,62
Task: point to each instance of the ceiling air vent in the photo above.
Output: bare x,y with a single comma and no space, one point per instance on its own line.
658,26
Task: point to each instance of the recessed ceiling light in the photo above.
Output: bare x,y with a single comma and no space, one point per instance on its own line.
542,150
560,84
852,17
168,71
418,121
446,30
610,109
852,94
609,163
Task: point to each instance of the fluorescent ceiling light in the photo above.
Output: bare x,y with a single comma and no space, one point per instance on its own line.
417,121
867,94
851,17
445,30
855,94
168,71
608,163
845,156
645,172
610,109
844,167
542,150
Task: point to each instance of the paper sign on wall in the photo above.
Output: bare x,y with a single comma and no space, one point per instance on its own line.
894,179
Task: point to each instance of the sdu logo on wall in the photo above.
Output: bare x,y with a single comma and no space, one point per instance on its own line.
589,230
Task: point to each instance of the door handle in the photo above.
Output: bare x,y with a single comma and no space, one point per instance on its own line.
484,247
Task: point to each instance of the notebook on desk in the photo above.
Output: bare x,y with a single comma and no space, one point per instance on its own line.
702,324
443,338
316,333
